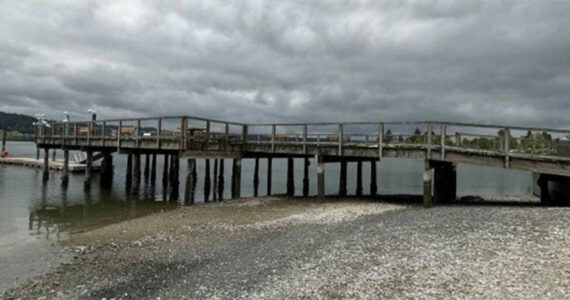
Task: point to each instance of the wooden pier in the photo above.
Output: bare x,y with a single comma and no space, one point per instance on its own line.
441,144
37,163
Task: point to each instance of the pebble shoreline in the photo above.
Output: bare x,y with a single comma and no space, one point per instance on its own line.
342,248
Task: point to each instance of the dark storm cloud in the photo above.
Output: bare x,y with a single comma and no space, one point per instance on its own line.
475,61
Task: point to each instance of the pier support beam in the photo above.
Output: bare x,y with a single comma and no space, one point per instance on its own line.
129,173
65,170
88,170
153,170
106,176
440,182
190,178
45,170
306,177
174,177
342,178
165,172
290,177
236,178
146,168
554,189
359,178
256,178
215,185
373,179
221,181
320,176
269,173
207,181
136,172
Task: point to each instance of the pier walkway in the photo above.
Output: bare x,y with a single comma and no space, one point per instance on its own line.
441,144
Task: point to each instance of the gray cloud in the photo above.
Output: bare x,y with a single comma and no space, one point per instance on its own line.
475,61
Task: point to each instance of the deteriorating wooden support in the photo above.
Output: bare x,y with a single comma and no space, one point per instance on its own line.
290,177
88,169
65,173
153,170
269,175
342,178
146,167
256,178
440,182
129,173
207,181
320,176
359,178
306,177
428,187
236,178
190,178
174,177
136,172
221,181
165,172
373,179
215,185
106,174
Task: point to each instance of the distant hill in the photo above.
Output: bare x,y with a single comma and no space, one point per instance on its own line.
17,122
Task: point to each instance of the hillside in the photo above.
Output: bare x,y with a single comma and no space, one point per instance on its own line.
17,122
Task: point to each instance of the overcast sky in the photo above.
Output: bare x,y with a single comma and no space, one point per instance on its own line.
474,61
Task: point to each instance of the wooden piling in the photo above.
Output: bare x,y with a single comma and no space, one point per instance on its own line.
165,172
236,178
359,178
373,179
306,177
129,173
146,167
428,187
136,172
174,177
106,175
269,173
215,185
153,170
256,178
342,178
45,173
320,176
54,154
207,181
221,181
65,171
290,177
190,187
88,169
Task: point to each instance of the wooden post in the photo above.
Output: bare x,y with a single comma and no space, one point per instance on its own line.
373,179
184,133
158,133
221,181
236,178
45,173
340,138
215,185
244,137
305,138
129,171
269,173
207,181
273,137
37,153
65,171
256,178
342,178
226,139
119,130
428,186
359,178
146,167
138,135
306,177
320,176
136,172
458,139
88,169
106,178
190,188
174,177
153,170
54,154
290,177
165,172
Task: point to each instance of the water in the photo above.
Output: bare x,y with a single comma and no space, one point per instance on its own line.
33,215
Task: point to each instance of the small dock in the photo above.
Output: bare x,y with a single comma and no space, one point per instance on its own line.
39,163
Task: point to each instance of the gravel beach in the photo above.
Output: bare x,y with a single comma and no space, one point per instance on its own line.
281,248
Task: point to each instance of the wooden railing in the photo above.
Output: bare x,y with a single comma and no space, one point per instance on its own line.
193,133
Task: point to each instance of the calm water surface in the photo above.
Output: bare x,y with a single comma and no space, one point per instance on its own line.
34,216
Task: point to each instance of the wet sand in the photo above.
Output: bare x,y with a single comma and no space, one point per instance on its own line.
340,247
